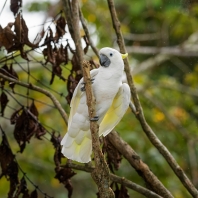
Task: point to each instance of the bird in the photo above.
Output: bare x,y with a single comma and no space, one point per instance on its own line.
112,100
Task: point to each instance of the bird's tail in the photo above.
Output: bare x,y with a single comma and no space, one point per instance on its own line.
78,148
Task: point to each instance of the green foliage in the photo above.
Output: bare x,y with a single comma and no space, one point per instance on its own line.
38,6
167,86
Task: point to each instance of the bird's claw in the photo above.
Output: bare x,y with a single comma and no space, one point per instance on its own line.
82,88
83,83
95,118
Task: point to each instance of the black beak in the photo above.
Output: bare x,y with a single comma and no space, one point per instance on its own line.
104,60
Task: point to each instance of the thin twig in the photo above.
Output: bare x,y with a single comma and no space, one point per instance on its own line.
87,33
170,51
150,63
120,180
142,37
101,172
43,91
142,169
140,115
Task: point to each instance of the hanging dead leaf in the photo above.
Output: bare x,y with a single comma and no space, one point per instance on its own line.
9,167
48,51
22,189
66,53
56,70
15,5
114,157
15,116
94,65
3,101
6,156
87,44
71,85
33,109
56,142
7,36
34,194
60,56
40,131
60,27
25,128
14,75
21,31
63,174
39,37
74,61
13,177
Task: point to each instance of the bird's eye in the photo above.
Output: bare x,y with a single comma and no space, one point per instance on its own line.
111,54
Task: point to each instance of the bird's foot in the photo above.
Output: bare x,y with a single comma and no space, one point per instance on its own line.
95,118
92,80
83,83
82,88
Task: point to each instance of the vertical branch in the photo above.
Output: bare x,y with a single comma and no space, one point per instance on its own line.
140,115
101,173
77,38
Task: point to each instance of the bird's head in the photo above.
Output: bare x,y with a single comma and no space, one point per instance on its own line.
110,56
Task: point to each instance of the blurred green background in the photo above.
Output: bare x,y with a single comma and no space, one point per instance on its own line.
167,89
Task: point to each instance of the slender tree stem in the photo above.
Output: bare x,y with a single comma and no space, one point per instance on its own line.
120,180
140,115
100,174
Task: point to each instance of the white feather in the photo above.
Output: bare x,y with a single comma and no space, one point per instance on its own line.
112,101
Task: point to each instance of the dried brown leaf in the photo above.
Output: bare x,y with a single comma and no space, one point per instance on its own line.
21,31
40,131
56,70
66,54
8,164
33,109
15,116
7,36
5,71
39,37
3,101
25,128
63,174
48,52
87,44
15,5
60,27
119,191
94,65
114,157
75,66
22,189
60,55
14,75
52,78
71,85
56,142
34,194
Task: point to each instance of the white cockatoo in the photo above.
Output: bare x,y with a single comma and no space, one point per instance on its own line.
112,100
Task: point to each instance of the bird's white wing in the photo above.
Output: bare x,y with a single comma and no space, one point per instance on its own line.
116,111
77,95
